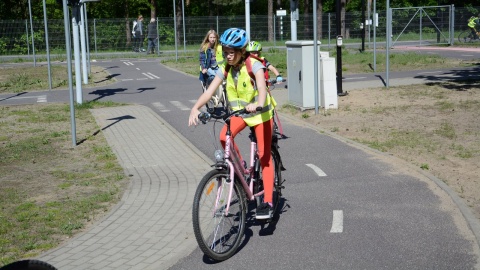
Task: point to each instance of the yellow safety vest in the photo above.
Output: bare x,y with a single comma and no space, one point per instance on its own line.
471,22
219,56
245,93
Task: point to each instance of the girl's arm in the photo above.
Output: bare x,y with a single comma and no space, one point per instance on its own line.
262,91
274,70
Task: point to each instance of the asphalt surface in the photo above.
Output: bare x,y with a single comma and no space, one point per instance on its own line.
392,217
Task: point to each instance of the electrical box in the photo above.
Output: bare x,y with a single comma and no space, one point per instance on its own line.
301,77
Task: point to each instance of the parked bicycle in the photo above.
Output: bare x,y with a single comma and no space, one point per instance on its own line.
467,36
220,204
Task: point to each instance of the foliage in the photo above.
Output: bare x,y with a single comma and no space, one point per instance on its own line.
14,9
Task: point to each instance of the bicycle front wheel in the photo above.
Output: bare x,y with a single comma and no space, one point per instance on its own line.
218,234
465,37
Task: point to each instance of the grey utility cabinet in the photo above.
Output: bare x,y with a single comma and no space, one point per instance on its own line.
301,77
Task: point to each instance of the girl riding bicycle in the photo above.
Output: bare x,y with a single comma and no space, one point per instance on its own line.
243,92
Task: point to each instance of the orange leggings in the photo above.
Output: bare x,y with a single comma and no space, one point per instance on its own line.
264,144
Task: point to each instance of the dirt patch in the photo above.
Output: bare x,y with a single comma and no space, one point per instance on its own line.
434,127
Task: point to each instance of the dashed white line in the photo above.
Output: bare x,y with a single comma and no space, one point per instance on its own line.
354,78
128,63
317,170
429,72
153,75
42,99
337,221
160,107
180,105
468,55
148,75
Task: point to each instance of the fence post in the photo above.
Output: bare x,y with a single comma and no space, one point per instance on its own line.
420,24
33,36
28,42
95,36
274,32
452,24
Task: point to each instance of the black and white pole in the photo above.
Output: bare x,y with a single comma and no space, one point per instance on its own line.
339,50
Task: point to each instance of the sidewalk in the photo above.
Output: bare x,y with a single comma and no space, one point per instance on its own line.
151,227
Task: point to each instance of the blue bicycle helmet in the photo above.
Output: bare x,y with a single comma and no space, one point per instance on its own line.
234,38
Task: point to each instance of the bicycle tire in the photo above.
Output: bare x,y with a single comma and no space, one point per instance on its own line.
277,182
28,265
217,235
465,37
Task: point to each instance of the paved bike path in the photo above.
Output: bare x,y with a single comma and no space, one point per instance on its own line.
151,227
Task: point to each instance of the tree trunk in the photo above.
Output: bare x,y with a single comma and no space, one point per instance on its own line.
127,25
307,30
179,20
153,9
270,20
319,18
343,3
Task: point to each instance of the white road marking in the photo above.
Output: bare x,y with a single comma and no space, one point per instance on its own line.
142,79
337,221
160,107
153,75
353,78
429,72
193,101
42,99
469,55
317,170
126,80
179,105
148,75
128,63
37,97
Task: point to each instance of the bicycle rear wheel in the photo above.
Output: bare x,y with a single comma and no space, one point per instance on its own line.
218,235
277,183
277,186
465,37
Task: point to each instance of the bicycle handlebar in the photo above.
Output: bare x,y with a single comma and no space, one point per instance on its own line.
274,81
204,117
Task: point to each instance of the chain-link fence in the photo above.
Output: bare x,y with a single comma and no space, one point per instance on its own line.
178,34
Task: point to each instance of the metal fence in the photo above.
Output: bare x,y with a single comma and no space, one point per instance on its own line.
114,35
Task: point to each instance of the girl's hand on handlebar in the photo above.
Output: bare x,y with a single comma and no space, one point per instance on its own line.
251,107
193,118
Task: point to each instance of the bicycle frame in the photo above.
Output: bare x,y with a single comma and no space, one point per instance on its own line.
233,160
